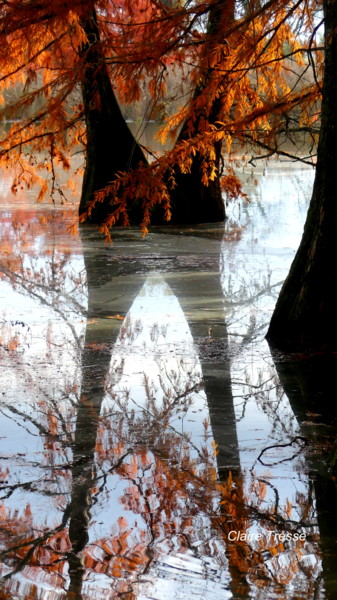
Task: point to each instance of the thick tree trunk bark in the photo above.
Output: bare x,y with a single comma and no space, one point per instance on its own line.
192,201
305,316
111,146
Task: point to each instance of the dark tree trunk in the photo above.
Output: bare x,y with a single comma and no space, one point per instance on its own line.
111,146
192,201
305,316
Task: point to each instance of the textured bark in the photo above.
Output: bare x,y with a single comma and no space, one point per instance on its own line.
305,316
111,146
192,201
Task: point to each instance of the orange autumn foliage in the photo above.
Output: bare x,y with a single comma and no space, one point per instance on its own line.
261,68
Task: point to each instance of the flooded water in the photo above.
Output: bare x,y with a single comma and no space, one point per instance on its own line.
150,446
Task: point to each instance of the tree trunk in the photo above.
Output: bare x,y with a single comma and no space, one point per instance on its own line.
192,201
305,316
110,146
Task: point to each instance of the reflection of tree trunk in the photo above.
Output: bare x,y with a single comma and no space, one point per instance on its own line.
110,146
112,289
310,385
83,471
211,341
113,286
195,290
100,335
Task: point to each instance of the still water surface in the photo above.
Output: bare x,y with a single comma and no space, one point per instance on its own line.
150,446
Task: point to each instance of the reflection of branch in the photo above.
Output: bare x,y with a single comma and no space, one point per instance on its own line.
298,437
33,544
68,295
275,519
287,524
43,301
251,299
114,467
255,387
55,406
42,430
31,486
183,395
154,419
275,490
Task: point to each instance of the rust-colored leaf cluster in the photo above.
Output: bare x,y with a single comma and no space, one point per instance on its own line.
254,73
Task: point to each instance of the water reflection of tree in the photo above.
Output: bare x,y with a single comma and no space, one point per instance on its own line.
169,486
85,444
122,282
249,293
309,381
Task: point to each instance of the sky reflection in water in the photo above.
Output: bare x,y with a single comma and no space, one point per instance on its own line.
142,418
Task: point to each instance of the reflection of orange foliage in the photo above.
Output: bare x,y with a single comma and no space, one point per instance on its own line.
23,228
44,556
247,554
33,550
166,489
119,555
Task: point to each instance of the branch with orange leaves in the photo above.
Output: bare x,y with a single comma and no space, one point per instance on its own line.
151,185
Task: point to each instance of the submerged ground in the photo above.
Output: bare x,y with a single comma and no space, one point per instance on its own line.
150,445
